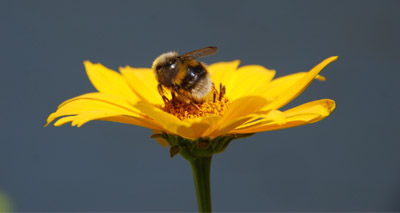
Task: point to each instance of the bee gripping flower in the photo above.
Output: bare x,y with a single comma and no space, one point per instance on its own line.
247,100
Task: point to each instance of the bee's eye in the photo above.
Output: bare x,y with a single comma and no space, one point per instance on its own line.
172,64
158,67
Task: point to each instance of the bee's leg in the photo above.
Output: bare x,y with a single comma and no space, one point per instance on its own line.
173,94
165,99
176,89
177,94
161,91
188,100
195,105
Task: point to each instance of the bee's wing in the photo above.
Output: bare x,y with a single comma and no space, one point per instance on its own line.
206,51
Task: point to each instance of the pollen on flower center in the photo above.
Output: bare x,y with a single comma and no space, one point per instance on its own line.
215,105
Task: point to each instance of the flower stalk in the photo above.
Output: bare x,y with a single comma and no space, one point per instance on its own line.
201,175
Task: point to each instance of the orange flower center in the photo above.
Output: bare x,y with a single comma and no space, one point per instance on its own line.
216,104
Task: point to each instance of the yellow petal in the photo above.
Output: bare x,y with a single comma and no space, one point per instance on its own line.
64,120
264,117
227,128
191,128
108,81
280,85
169,122
79,120
242,107
239,111
117,101
91,102
250,80
198,127
143,83
321,107
82,106
144,122
222,72
298,87
304,114
85,117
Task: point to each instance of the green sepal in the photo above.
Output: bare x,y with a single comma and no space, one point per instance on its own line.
174,150
201,147
156,136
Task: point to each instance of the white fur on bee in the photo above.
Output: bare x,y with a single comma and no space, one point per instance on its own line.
202,88
163,58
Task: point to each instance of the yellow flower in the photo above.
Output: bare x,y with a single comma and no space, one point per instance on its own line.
249,102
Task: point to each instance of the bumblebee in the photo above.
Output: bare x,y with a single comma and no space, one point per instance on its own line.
186,78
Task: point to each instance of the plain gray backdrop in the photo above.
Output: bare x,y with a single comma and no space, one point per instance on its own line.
347,162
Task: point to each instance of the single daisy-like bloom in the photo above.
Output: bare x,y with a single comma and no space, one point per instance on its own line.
247,100
242,101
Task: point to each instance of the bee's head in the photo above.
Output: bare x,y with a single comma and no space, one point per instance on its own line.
166,67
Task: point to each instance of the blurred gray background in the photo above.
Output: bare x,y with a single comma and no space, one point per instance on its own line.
347,162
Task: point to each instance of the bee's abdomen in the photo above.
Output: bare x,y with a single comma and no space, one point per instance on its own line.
193,76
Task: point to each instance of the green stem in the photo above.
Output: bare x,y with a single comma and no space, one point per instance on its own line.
201,175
